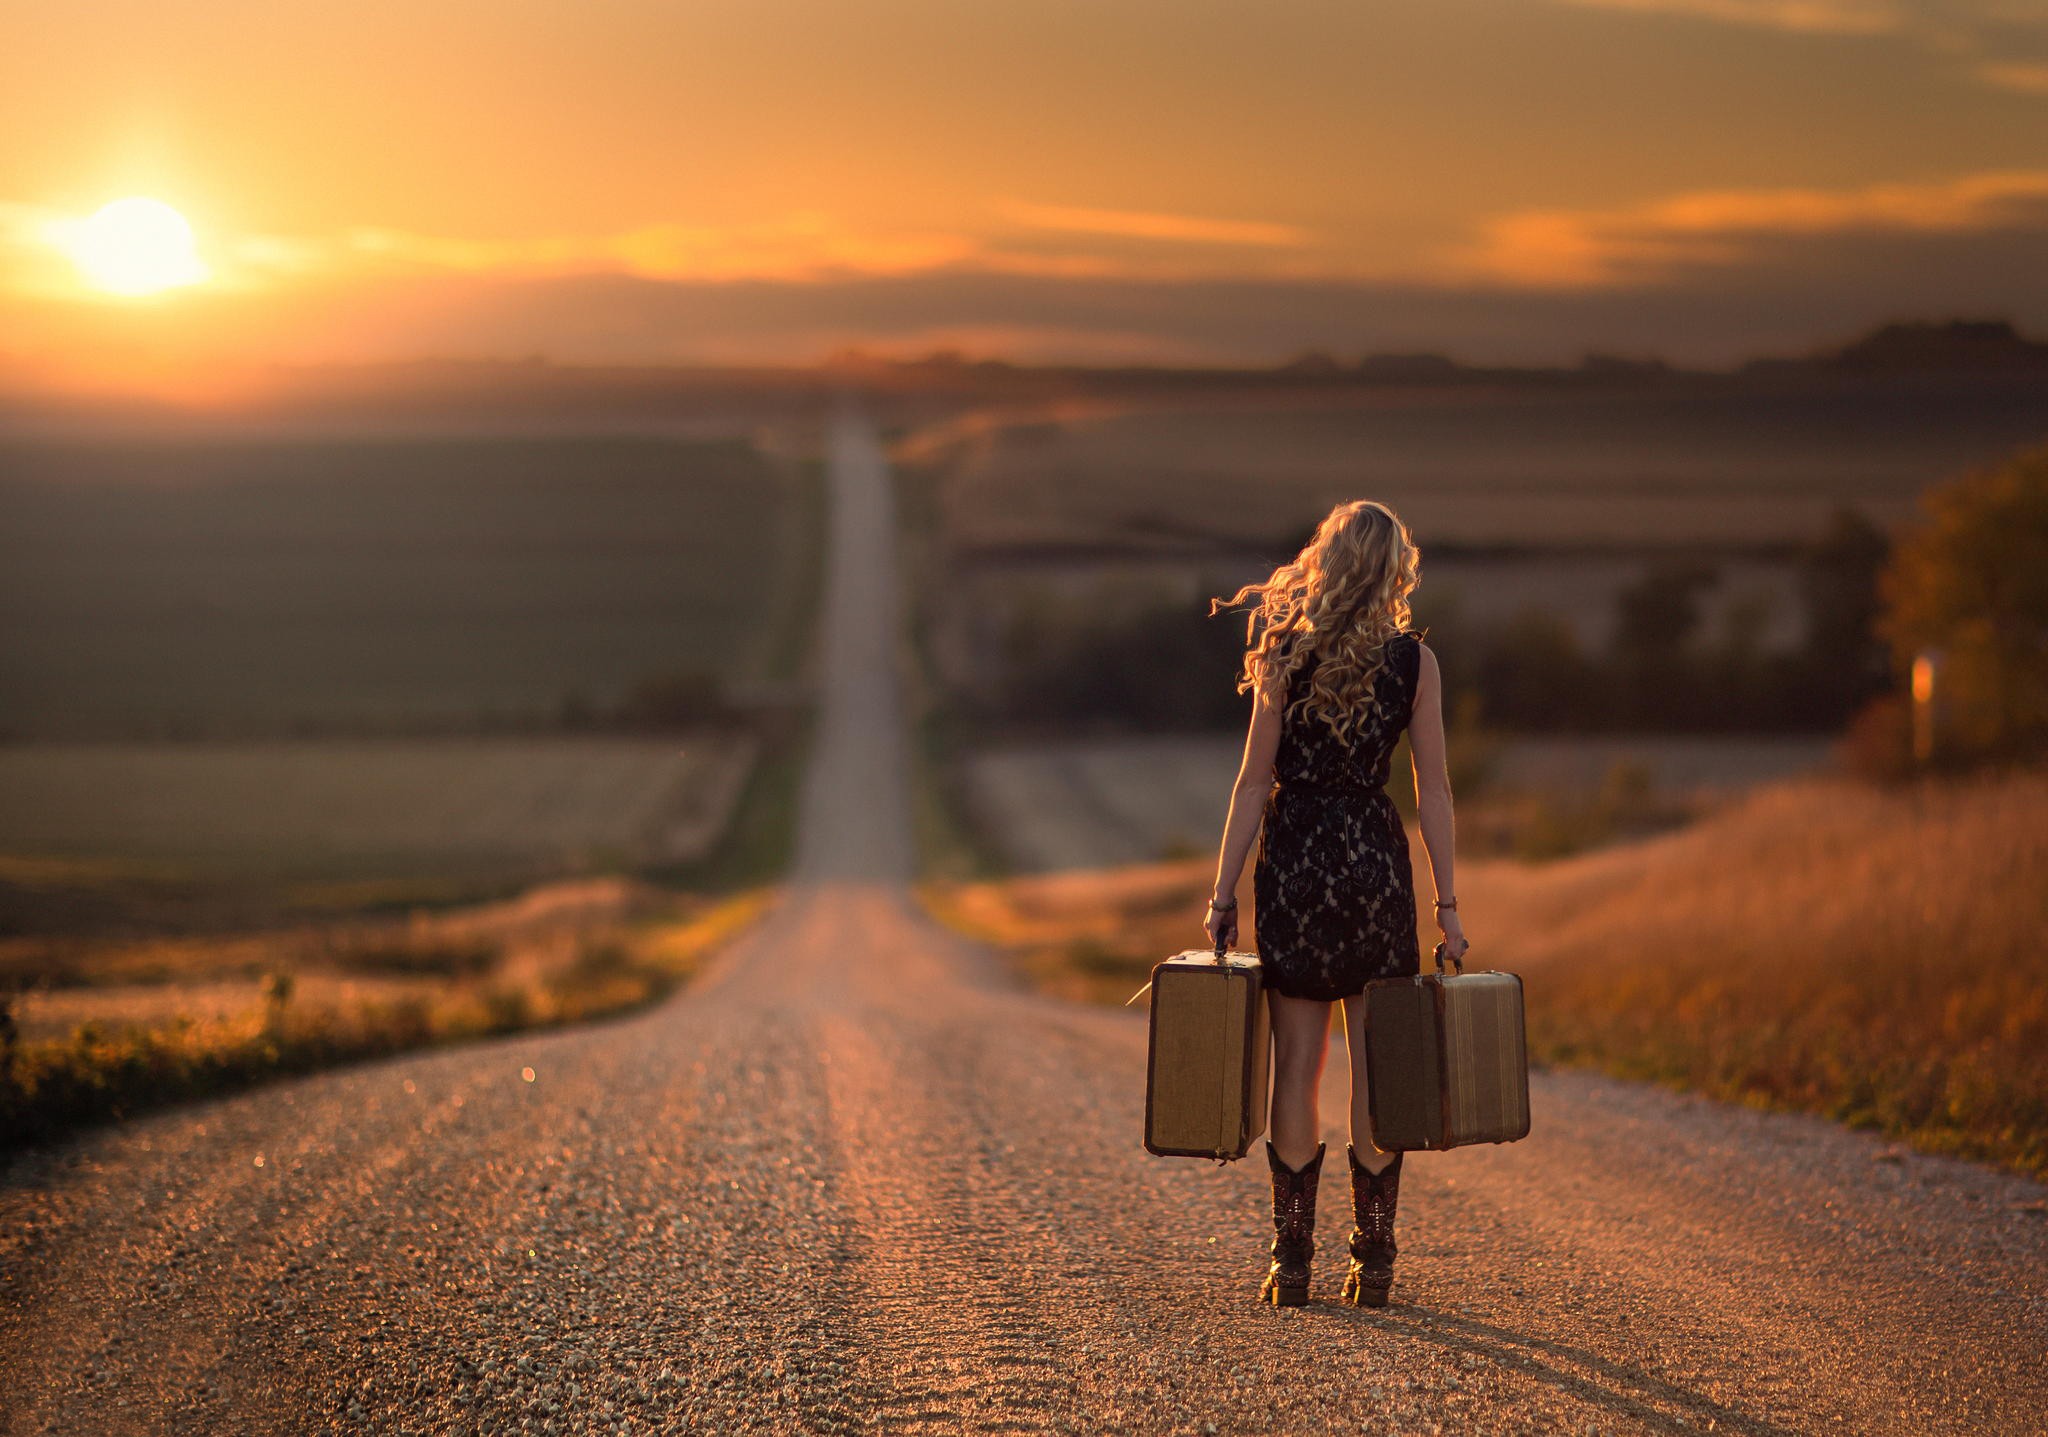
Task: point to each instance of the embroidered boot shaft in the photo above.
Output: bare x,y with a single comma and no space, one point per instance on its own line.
1294,1228
1374,1197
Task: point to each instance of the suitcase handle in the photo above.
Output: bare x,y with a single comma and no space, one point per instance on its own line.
1443,952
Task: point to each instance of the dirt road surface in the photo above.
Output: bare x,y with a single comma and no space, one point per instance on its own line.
855,1180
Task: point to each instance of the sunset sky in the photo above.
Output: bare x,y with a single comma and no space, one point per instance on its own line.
1101,179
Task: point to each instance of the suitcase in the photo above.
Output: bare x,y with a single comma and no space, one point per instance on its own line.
1208,1067
1447,1058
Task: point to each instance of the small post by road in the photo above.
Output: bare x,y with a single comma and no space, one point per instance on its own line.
1927,696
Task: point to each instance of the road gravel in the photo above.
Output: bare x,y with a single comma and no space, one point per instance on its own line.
856,1180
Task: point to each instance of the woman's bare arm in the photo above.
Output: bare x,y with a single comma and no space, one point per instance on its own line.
1433,794
1247,808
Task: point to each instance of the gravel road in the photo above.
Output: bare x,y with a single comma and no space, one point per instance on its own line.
855,1180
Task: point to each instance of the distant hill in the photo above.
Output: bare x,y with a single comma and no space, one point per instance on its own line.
1922,347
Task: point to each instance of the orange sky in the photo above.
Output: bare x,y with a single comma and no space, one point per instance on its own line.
763,179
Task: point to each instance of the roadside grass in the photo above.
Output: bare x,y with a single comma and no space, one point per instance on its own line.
1869,954
1087,934
949,843
760,836
434,984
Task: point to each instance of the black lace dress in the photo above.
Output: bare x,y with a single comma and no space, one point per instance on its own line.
1335,893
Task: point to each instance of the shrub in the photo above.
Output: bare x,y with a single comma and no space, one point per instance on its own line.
1970,583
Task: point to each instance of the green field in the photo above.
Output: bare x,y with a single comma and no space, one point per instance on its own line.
238,588
380,661
363,809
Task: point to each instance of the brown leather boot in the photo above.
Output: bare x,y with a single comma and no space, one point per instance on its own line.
1294,1228
1373,1197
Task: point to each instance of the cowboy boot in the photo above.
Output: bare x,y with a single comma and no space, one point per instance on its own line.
1294,1228
1373,1197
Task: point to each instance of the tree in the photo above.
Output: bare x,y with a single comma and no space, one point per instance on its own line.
1838,579
1656,620
1658,615
1969,583
1532,674
1843,663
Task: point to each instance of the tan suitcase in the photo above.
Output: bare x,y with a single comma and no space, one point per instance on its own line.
1209,1071
1447,1058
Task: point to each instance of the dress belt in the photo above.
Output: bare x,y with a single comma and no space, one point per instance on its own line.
1331,790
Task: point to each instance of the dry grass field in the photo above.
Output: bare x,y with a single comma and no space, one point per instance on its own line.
92,1029
1820,944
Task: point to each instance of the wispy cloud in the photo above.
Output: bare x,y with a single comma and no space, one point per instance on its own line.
1829,17
1555,248
1148,225
800,246
1994,42
2029,77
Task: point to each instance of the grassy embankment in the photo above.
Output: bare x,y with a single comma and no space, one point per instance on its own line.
207,1016
1869,954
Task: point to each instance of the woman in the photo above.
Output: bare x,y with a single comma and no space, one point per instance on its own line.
1336,675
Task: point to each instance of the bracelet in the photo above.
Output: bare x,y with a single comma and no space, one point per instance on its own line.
1450,903
1230,907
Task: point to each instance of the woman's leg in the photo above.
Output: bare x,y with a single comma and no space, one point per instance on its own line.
1375,1180
1301,1039
1370,1157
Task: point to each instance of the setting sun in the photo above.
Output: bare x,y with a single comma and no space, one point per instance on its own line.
135,246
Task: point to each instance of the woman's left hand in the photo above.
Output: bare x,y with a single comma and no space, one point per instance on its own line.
1453,928
1221,927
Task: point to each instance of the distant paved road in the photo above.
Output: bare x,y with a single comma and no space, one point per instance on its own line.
855,1181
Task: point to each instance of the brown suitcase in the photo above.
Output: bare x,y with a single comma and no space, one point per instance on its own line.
1208,1070
1447,1058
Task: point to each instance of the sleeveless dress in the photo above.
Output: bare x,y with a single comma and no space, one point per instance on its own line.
1335,893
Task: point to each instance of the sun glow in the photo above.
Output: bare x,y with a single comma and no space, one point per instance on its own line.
134,246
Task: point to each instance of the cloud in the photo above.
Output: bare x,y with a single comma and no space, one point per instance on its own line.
2029,77
798,247
1992,42
1653,242
1140,224
1825,17
794,247
32,261
1045,241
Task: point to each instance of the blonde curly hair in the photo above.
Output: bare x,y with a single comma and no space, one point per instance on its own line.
1333,608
